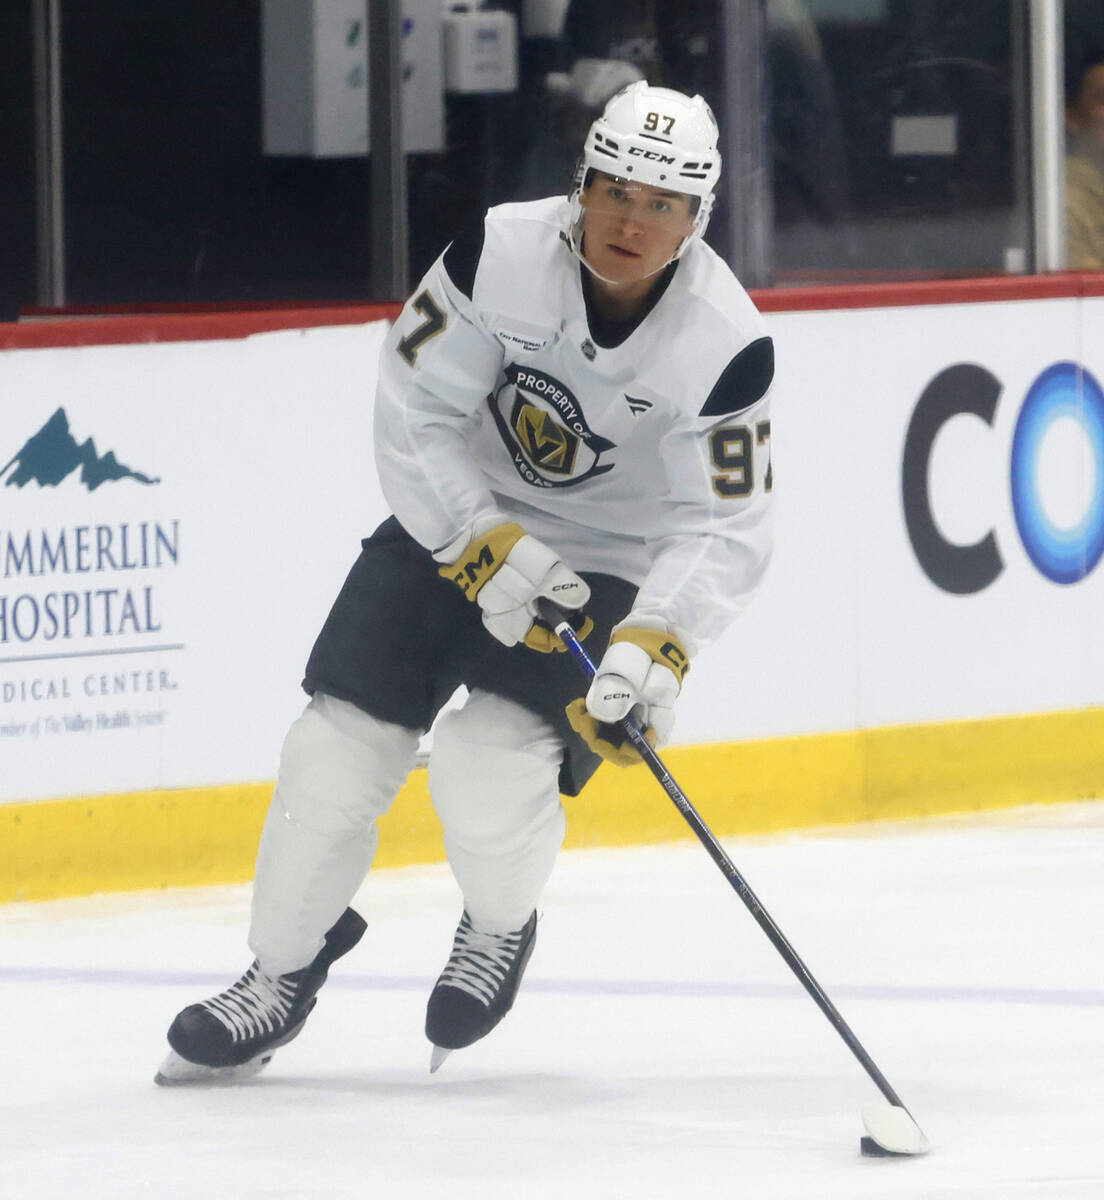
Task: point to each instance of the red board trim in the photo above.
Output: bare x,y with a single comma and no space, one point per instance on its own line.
94,326
43,332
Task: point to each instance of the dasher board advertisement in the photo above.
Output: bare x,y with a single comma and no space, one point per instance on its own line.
176,519
939,482
174,522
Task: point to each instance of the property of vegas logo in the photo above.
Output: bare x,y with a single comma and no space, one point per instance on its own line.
72,581
550,443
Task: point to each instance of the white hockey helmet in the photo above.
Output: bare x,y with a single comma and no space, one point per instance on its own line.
656,136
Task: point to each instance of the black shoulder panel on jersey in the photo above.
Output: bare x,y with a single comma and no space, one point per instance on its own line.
743,381
462,255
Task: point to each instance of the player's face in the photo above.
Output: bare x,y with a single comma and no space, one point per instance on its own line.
630,230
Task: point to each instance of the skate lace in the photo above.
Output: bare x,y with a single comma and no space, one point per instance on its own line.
479,962
255,1005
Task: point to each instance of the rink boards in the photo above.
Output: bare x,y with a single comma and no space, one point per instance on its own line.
180,506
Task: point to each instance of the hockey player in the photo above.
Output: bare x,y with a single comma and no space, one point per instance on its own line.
572,405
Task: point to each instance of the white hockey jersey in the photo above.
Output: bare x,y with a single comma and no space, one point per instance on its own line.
641,451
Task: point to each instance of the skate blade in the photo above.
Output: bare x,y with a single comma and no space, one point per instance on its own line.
179,1072
437,1058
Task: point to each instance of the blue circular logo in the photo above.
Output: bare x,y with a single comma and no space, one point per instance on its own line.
1063,553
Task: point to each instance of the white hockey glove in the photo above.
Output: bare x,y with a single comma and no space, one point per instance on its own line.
642,673
505,571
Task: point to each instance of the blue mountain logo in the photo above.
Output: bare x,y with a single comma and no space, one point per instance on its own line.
53,453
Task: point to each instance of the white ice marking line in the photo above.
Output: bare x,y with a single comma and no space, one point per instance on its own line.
1054,997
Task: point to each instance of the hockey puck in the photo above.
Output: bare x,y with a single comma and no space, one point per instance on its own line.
869,1148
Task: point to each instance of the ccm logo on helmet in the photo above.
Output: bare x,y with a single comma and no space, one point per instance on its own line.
651,155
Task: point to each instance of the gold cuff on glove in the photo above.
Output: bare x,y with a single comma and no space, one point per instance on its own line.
544,640
609,741
482,556
664,648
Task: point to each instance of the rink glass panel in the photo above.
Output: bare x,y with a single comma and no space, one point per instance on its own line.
885,139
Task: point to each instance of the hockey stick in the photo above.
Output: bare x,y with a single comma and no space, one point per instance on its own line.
892,1130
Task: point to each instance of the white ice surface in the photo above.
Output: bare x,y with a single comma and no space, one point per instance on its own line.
659,1046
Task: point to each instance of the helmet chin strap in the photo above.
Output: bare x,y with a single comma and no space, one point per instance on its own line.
577,250
620,282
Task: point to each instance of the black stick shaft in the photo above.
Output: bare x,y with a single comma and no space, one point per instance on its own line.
728,868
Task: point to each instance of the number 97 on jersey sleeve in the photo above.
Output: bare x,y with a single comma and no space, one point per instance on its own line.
732,451
433,324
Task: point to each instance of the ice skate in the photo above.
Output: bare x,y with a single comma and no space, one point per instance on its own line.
233,1036
477,987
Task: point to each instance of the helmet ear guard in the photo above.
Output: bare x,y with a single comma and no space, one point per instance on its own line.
654,136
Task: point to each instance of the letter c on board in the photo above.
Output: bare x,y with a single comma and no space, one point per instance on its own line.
960,570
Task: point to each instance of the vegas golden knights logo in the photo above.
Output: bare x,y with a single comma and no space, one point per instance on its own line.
544,430
547,444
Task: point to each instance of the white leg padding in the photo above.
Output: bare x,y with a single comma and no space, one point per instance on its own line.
339,771
494,778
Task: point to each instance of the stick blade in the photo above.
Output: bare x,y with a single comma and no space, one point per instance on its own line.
893,1131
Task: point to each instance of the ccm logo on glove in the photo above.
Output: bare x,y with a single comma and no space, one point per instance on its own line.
673,656
641,673
482,558
506,571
